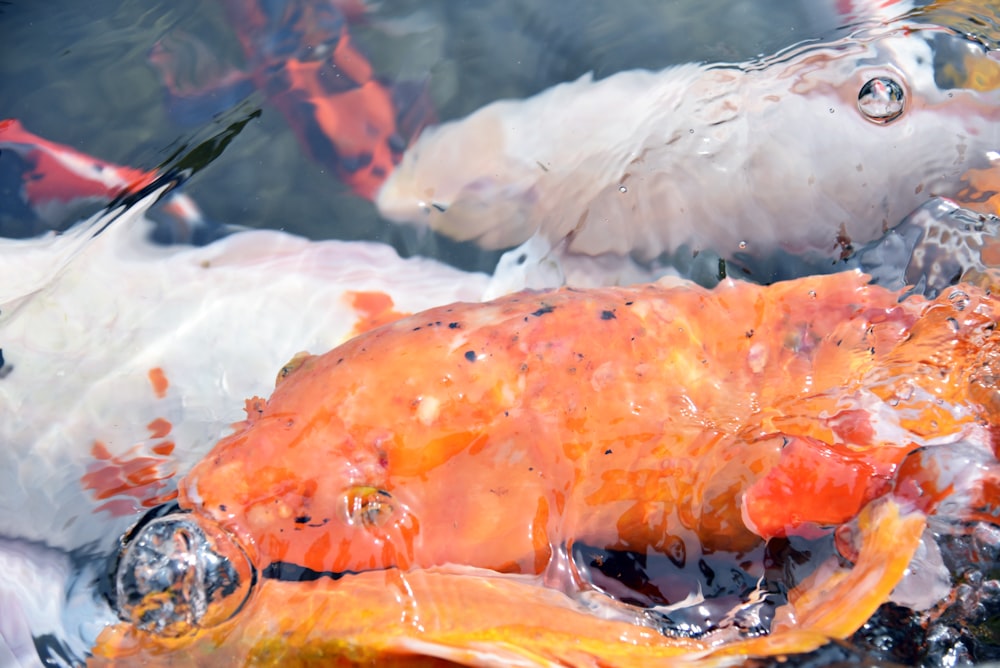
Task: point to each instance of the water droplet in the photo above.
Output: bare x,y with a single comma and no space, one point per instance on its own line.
743,245
959,300
881,100
622,189
832,110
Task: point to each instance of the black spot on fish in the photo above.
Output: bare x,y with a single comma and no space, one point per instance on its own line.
545,308
453,325
302,519
396,143
629,303
354,163
608,451
608,315
749,333
470,355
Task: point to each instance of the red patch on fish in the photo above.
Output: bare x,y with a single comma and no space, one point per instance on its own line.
142,476
138,479
374,310
159,381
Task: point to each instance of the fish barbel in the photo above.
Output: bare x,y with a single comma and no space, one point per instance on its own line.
811,151
507,439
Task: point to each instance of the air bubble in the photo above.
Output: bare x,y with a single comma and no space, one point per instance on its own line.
743,245
959,300
181,573
622,189
881,100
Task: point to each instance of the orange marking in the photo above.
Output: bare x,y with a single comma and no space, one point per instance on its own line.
100,451
164,448
141,480
375,308
159,381
159,427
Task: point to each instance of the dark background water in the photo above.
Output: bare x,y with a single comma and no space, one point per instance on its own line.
79,74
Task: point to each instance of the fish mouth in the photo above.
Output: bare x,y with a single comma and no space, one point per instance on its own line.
176,573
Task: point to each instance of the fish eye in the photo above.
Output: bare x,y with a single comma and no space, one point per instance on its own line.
178,574
881,100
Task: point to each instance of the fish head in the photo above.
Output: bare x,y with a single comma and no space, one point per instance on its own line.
836,140
461,179
263,484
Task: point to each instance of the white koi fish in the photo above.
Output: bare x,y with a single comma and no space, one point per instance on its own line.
117,350
812,151
122,362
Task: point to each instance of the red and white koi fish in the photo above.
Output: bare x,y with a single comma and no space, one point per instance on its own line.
812,151
59,179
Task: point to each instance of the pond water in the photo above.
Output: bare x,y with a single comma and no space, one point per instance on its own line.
83,77
121,363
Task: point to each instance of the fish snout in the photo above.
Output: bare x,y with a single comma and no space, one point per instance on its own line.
180,573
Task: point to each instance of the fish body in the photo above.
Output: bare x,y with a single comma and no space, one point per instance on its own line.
58,180
509,439
124,357
302,57
120,360
742,160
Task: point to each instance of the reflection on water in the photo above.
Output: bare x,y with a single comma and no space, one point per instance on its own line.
124,361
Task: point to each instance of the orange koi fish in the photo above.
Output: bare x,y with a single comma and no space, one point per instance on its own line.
301,55
578,478
812,151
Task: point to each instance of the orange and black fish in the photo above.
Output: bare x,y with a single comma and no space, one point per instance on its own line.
302,57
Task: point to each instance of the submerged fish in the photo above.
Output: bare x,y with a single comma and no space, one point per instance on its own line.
812,151
579,478
56,181
302,56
